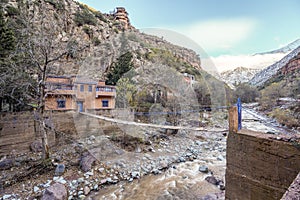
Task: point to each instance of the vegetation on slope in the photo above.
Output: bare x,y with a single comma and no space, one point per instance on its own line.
282,86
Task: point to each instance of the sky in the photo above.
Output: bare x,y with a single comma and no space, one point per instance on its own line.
223,29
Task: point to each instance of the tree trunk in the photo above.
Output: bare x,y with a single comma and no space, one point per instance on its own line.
41,108
46,153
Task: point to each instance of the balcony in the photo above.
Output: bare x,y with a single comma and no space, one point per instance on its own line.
105,91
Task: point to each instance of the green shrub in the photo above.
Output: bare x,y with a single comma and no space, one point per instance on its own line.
284,117
56,4
12,11
116,23
246,92
96,41
100,16
87,30
85,17
132,37
72,48
116,30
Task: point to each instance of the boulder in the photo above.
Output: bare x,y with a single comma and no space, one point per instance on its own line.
203,169
220,158
216,196
55,192
86,190
86,162
60,169
6,164
212,180
135,174
209,197
36,146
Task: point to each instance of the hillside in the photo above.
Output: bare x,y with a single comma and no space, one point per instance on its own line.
288,76
69,38
260,78
88,33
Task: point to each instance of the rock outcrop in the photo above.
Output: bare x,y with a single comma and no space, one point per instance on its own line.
121,15
93,39
291,66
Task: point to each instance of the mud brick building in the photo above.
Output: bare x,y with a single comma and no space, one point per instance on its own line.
78,93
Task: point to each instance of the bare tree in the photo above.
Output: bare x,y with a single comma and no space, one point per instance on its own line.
41,48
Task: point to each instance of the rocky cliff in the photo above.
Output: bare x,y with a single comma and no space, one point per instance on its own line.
93,39
291,66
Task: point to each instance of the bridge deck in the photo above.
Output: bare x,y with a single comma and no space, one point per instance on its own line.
119,121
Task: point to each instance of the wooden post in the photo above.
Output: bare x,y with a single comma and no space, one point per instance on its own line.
233,119
239,108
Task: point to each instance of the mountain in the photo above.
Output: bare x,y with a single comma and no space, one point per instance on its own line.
257,62
286,49
264,75
288,76
69,38
237,76
88,35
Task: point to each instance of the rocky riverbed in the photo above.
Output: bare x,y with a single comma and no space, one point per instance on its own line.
114,164
164,166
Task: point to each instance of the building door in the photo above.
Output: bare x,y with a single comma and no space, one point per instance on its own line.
80,106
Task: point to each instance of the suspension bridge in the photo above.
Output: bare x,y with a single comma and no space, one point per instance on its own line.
119,121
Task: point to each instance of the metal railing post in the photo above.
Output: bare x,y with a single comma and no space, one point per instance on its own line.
239,106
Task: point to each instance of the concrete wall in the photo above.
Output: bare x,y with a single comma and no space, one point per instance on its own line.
260,166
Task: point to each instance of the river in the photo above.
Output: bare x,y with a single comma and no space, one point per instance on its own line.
184,180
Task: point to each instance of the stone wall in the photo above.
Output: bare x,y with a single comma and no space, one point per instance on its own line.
260,166
18,130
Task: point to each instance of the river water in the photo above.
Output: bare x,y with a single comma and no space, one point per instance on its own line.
253,120
184,181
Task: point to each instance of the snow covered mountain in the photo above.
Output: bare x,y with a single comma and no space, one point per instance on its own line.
238,75
265,74
286,49
256,68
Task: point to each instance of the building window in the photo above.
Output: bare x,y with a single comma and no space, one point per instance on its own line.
81,88
104,103
90,88
61,103
105,89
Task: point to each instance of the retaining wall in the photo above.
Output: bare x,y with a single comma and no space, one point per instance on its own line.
260,166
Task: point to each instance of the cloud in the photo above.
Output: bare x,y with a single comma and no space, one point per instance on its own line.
222,34
228,62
